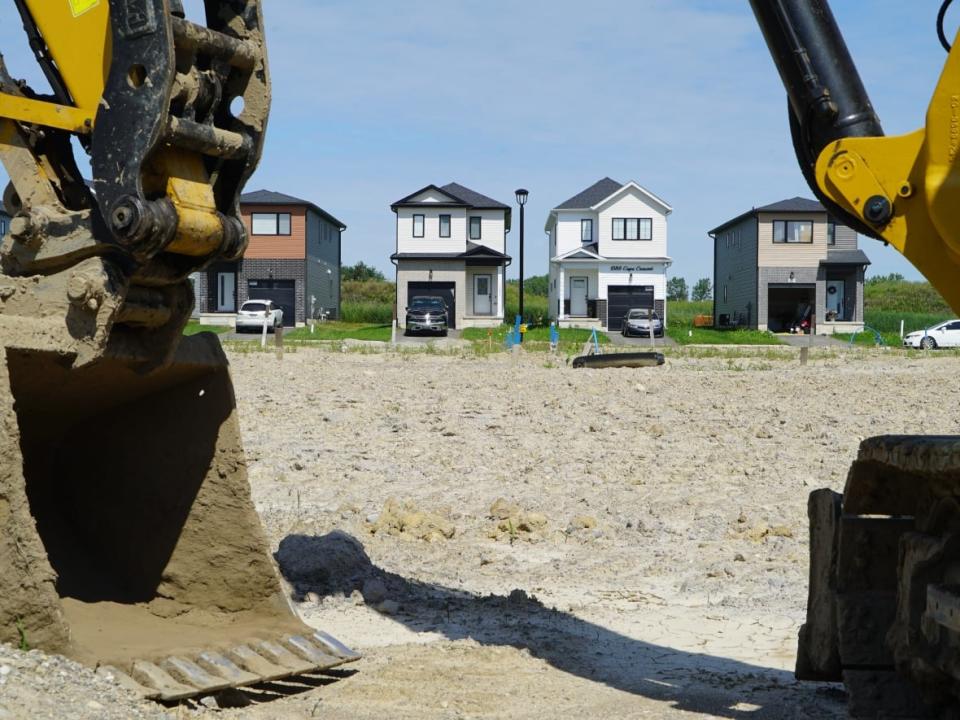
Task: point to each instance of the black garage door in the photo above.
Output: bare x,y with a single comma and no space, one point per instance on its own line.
282,292
621,298
446,290
788,306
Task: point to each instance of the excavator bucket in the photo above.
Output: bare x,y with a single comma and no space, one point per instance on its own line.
129,540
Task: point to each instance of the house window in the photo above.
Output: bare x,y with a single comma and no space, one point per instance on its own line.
724,292
475,228
270,223
792,231
586,231
633,229
418,226
831,233
444,226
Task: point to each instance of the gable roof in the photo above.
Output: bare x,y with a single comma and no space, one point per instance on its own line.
596,193
459,195
584,252
599,193
473,198
791,205
409,199
270,197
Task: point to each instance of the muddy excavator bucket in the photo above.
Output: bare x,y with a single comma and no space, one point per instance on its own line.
129,540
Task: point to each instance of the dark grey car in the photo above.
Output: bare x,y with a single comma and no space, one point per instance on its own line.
427,313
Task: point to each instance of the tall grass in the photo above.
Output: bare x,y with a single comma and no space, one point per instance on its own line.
371,313
888,321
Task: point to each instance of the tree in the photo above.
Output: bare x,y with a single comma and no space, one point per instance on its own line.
361,271
703,290
881,279
536,285
676,289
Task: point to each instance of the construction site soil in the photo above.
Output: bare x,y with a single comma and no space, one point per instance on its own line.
506,537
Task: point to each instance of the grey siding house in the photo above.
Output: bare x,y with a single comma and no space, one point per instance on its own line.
781,266
293,258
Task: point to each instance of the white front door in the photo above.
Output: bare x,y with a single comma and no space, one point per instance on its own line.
482,295
226,292
835,297
578,296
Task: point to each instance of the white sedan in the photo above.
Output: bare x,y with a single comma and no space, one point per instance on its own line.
252,313
946,334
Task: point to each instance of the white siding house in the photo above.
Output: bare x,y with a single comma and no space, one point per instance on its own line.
451,242
608,253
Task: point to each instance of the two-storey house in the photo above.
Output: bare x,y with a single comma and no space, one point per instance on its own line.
778,265
293,258
451,242
608,253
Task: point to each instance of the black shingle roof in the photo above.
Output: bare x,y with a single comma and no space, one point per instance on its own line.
473,198
845,257
269,197
796,204
792,205
600,190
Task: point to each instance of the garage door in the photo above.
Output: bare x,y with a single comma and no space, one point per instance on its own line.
446,290
788,306
621,298
282,292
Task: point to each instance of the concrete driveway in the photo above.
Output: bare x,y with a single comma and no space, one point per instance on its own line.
639,342
817,340
425,338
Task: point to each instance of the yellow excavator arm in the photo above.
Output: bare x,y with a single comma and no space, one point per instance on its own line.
128,538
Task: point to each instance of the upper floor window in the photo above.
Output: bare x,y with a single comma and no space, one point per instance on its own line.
3,227
271,223
633,229
444,226
586,231
793,231
475,228
418,226
831,233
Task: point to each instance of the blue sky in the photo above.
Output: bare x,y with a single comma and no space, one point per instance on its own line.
375,99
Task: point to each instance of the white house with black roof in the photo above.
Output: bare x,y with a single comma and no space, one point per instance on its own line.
451,242
608,253
778,266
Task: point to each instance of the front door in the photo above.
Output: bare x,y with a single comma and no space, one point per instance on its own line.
578,296
226,292
482,295
835,298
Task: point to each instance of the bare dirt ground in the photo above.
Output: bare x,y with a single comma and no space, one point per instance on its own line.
506,537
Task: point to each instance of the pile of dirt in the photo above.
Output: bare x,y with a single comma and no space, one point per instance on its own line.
405,519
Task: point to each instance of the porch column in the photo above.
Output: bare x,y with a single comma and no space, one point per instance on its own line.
501,300
560,294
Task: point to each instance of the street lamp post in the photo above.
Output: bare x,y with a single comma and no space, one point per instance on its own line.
521,201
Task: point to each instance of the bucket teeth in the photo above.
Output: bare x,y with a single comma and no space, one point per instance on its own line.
221,665
303,648
177,677
279,655
153,676
333,646
252,662
189,673
123,680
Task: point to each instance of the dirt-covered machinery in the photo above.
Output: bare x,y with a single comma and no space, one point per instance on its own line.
884,605
128,539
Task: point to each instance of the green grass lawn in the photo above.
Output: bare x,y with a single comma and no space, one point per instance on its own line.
538,338
687,335
193,327
680,327
335,330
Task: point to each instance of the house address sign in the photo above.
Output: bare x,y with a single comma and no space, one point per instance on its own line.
630,268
